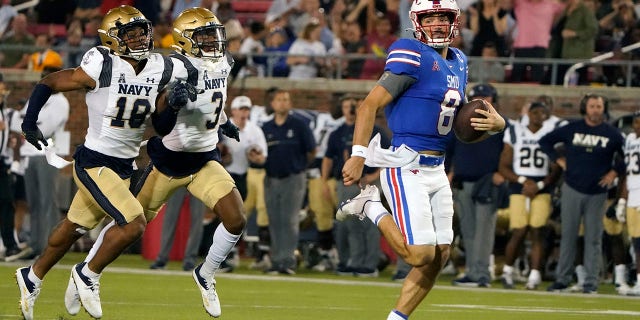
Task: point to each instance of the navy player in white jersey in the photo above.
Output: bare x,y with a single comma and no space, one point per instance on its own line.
423,83
123,81
186,156
531,176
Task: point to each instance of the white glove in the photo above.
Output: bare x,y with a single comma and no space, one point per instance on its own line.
621,210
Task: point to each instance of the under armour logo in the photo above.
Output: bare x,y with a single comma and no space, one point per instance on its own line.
223,71
152,80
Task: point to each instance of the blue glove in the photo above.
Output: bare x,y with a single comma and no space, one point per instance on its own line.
230,130
179,94
33,135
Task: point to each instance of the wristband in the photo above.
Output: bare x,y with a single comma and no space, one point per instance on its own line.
622,201
359,151
522,179
493,132
540,185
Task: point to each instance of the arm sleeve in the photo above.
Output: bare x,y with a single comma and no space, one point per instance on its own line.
164,121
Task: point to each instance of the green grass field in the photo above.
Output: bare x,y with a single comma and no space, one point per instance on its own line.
129,290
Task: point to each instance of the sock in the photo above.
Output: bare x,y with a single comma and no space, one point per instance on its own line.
397,315
507,270
223,242
620,274
581,274
534,276
87,272
33,278
375,211
96,245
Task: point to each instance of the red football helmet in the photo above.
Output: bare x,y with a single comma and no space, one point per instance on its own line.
419,8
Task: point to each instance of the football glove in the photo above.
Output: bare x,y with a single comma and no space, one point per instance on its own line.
230,130
179,94
33,135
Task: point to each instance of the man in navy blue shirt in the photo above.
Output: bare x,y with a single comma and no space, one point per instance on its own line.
590,147
291,147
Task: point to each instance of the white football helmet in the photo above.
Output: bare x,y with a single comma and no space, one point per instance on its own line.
419,8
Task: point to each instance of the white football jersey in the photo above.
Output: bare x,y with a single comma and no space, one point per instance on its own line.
632,161
196,129
528,158
121,102
325,124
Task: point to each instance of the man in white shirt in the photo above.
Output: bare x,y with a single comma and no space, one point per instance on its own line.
40,177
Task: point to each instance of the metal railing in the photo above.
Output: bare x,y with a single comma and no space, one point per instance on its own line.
551,66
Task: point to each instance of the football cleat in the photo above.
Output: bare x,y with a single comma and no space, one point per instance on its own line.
88,290
29,292
623,289
355,206
507,281
207,288
71,298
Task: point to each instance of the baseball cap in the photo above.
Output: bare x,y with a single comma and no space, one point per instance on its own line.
537,104
483,90
241,102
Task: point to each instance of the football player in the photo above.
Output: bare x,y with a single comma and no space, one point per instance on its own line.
423,82
628,207
123,81
527,168
187,155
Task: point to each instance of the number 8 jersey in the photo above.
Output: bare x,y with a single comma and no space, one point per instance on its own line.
121,101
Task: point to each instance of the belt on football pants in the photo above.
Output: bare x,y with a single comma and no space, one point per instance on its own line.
427,160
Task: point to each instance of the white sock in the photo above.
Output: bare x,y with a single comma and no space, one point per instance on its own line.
375,211
98,243
223,242
87,272
581,274
507,270
397,315
620,274
534,276
33,278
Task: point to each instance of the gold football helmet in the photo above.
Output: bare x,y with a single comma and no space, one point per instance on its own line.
197,32
127,32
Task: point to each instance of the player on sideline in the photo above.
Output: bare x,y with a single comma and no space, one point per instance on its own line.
423,83
628,207
187,156
123,82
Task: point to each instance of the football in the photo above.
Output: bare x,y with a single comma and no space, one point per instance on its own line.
462,122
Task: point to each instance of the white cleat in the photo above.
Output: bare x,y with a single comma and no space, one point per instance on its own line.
29,292
623,289
635,290
207,288
88,290
72,298
355,206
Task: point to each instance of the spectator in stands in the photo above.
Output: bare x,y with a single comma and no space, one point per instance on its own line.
54,11
278,42
378,41
485,70
578,37
87,9
162,35
45,56
306,55
353,42
90,38
253,46
533,33
18,35
7,12
307,11
488,21
71,49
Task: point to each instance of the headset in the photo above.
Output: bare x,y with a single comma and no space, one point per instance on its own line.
583,103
